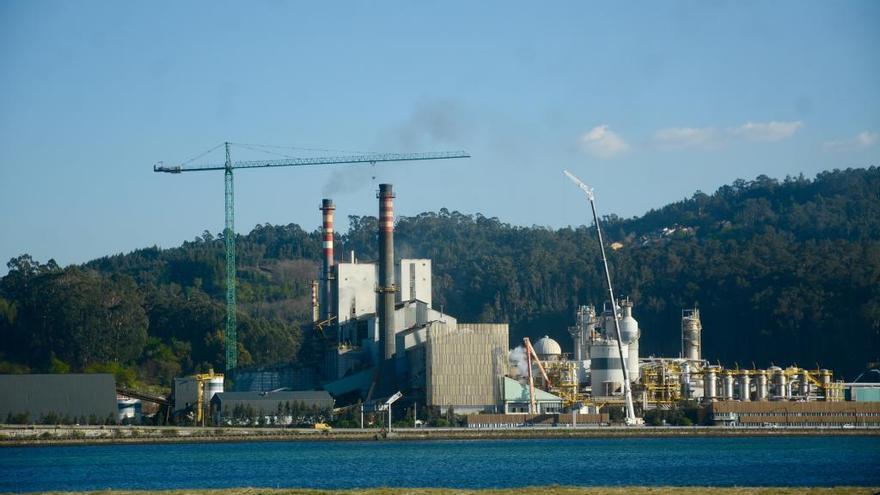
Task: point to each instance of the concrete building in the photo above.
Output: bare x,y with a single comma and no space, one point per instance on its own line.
74,398
414,277
465,366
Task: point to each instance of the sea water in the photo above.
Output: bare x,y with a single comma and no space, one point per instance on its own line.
689,461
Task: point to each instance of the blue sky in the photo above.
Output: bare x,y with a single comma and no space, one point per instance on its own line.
646,101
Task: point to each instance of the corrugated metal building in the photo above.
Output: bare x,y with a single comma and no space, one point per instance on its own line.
77,397
465,366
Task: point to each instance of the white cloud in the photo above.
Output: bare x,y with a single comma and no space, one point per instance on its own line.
602,142
766,131
862,140
687,137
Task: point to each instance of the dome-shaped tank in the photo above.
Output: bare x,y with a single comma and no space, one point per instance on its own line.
547,349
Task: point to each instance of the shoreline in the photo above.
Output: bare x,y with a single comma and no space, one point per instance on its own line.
39,436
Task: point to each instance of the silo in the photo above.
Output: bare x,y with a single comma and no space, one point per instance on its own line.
761,386
743,386
686,380
825,380
606,371
727,385
629,335
804,384
213,386
710,379
691,330
777,375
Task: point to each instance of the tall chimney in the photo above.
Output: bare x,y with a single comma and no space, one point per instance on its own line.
327,208
387,287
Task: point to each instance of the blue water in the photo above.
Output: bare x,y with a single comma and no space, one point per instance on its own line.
740,461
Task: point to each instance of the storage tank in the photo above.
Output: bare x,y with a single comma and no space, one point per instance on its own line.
547,349
691,330
213,386
629,335
825,380
743,386
686,380
606,371
777,376
803,383
128,409
710,383
761,386
727,385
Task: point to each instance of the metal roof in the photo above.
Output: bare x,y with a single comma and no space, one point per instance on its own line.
515,391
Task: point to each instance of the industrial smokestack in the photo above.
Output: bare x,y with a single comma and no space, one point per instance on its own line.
387,287
327,208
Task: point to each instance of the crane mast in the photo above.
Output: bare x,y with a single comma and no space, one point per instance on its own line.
627,389
231,341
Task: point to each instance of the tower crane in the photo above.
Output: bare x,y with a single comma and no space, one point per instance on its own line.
627,389
229,230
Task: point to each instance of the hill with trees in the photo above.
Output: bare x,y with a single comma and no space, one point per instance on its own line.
784,272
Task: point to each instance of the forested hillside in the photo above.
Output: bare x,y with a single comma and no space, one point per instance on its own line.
783,272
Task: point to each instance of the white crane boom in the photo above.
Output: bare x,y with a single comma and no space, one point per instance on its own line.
627,389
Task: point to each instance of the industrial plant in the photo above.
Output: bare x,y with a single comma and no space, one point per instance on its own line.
380,339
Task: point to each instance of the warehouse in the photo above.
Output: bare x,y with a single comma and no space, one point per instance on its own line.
63,398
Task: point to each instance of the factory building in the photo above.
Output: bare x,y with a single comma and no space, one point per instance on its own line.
68,398
465,366
385,335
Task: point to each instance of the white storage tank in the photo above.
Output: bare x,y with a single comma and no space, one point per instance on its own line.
629,335
727,383
777,375
213,386
128,409
547,349
743,386
762,388
605,368
710,383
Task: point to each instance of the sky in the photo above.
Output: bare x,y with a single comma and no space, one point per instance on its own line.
647,102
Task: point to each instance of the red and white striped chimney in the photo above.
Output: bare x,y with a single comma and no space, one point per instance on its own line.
387,286
327,208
